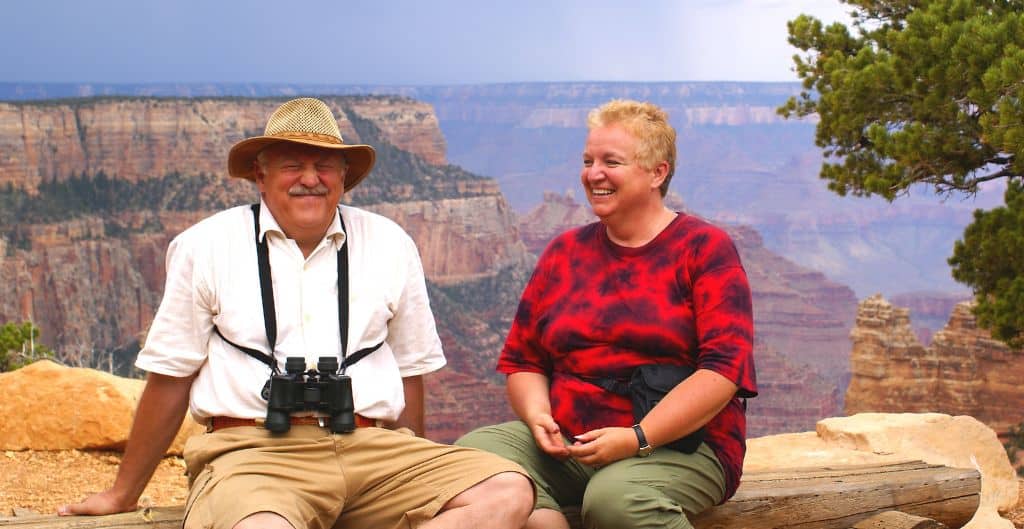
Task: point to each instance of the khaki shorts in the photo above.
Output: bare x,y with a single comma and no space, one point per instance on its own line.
372,477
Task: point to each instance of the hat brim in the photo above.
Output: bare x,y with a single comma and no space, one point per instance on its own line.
241,158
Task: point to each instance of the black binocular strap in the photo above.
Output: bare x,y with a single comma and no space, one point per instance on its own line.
270,315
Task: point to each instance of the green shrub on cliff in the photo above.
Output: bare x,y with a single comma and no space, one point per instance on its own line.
19,346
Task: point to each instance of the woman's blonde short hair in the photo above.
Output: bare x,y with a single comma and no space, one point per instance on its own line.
648,123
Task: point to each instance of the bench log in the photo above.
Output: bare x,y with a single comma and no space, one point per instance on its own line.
824,498
838,498
898,520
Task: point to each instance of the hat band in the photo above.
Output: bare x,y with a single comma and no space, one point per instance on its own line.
311,136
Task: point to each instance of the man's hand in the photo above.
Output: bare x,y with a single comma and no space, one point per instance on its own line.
548,436
106,502
604,446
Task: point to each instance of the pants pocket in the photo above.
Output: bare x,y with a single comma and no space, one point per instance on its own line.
196,512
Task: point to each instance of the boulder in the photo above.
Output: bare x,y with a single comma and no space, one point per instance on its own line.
47,406
880,438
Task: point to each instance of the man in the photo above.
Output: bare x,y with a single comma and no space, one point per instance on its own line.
301,277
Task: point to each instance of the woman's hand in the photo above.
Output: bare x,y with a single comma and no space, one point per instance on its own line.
548,435
604,446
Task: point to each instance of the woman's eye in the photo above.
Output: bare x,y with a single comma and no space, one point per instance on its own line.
588,163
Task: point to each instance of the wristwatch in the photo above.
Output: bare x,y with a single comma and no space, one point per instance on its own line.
645,449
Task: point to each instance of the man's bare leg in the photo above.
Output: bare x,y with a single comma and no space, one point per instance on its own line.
502,501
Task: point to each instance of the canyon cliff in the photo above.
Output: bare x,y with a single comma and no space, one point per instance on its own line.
963,372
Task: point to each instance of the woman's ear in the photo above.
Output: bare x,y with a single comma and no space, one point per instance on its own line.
660,171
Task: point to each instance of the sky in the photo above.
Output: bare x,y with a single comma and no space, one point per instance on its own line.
400,41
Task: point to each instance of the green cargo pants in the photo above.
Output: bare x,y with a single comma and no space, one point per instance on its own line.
659,491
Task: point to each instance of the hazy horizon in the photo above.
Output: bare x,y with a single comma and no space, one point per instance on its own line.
401,42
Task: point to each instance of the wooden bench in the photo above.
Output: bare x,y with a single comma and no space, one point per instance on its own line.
820,498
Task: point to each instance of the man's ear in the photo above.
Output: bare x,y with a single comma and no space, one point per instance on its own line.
258,174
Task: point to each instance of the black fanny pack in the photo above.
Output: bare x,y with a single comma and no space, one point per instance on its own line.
646,387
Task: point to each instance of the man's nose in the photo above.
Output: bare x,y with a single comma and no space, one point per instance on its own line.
309,177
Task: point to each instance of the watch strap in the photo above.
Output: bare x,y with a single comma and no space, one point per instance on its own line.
644,446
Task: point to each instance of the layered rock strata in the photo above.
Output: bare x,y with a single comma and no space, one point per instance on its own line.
963,372
138,138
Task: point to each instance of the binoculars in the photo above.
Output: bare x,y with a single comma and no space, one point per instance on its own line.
321,389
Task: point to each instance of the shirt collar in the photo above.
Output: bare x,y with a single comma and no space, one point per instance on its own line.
269,224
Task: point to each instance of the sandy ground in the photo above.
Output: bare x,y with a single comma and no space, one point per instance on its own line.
39,482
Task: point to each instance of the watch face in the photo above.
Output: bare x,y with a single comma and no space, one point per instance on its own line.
645,451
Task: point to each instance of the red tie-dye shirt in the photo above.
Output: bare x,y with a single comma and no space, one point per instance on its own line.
594,309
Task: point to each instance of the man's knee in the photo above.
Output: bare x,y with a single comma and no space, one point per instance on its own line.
506,490
263,520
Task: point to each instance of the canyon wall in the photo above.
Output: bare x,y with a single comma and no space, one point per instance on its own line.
138,138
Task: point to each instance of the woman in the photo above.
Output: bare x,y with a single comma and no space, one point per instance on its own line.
645,285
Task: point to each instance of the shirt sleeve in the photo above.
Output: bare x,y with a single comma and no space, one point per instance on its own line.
724,313
176,344
412,332
522,350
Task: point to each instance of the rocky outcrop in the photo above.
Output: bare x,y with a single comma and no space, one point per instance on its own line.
460,239
47,406
963,372
873,438
929,311
138,138
407,124
459,403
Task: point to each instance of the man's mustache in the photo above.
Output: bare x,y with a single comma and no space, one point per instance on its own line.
301,190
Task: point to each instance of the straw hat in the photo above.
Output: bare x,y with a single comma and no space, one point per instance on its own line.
308,121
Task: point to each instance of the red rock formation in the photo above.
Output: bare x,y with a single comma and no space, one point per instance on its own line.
409,125
792,398
963,372
929,311
462,238
137,138
459,403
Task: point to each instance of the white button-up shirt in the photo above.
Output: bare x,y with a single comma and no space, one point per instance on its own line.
213,279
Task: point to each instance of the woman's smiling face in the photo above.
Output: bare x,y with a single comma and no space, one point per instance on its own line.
612,177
